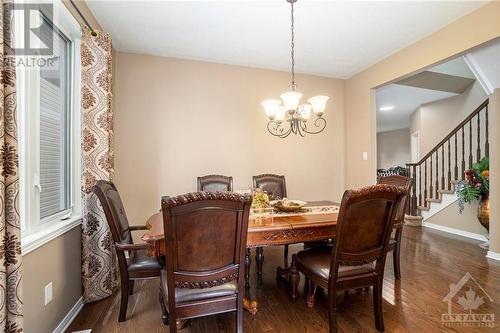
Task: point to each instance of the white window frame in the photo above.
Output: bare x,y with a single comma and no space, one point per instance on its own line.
36,231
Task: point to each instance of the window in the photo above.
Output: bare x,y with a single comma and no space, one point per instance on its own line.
49,129
55,115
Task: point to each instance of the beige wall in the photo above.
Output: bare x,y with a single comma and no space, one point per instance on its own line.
393,148
58,261
465,33
467,221
179,119
437,119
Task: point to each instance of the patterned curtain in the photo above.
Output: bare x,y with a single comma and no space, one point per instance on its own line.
11,304
98,257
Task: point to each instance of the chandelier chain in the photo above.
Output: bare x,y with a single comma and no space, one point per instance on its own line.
293,85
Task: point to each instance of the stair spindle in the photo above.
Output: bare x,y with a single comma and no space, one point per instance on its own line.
463,152
437,174
448,187
420,185
431,183
442,168
470,144
479,136
425,183
487,144
456,157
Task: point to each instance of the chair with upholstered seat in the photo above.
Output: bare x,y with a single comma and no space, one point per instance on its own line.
205,242
138,265
357,259
275,187
212,183
395,243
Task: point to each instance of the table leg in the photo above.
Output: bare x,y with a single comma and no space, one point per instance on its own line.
259,258
250,305
248,261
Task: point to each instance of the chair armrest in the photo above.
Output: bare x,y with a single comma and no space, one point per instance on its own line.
131,247
137,227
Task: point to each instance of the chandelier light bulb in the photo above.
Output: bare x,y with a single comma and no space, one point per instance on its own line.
280,114
305,113
271,106
318,104
291,99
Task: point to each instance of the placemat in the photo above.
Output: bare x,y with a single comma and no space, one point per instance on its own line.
268,212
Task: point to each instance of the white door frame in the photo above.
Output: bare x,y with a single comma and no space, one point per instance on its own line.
415,147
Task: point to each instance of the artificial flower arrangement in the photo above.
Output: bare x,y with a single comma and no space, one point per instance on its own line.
476,184
260,199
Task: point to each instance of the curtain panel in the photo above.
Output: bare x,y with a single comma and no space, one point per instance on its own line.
11,304
98,257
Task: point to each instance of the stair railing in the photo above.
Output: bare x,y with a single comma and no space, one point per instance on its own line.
439,168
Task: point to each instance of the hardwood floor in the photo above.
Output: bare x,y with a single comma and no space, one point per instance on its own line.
431,261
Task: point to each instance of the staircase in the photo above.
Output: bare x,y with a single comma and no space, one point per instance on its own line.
435,174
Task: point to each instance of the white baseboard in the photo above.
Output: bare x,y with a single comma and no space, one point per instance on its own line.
493,255
70,316
454,231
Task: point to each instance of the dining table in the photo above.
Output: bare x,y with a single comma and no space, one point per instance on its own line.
316,221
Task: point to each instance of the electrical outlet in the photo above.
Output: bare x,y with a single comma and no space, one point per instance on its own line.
48,293
365,156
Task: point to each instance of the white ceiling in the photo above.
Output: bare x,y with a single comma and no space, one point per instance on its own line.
405,100
333,38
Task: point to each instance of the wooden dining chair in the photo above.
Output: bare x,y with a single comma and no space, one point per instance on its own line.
395,243
275,187
212,183
357,259
138,265
205,242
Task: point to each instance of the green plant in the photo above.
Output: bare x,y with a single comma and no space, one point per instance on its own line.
475,185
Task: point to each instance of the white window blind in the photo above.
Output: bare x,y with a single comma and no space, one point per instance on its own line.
54,131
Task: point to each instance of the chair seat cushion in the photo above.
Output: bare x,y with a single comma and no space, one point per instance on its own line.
140,263
195,294
317,262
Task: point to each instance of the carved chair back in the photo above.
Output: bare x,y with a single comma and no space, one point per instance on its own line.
115,215
212,183
205,239
273,185
364,226
406,183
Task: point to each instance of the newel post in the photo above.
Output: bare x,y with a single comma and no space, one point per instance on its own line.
412,203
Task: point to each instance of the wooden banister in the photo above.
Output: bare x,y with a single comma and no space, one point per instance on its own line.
432,189
462,124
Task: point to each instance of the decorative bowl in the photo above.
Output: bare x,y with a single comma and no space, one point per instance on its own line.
286,205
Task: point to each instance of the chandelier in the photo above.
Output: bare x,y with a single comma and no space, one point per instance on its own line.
292,117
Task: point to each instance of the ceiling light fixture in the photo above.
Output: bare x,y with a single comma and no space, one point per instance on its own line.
386,108
291,112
